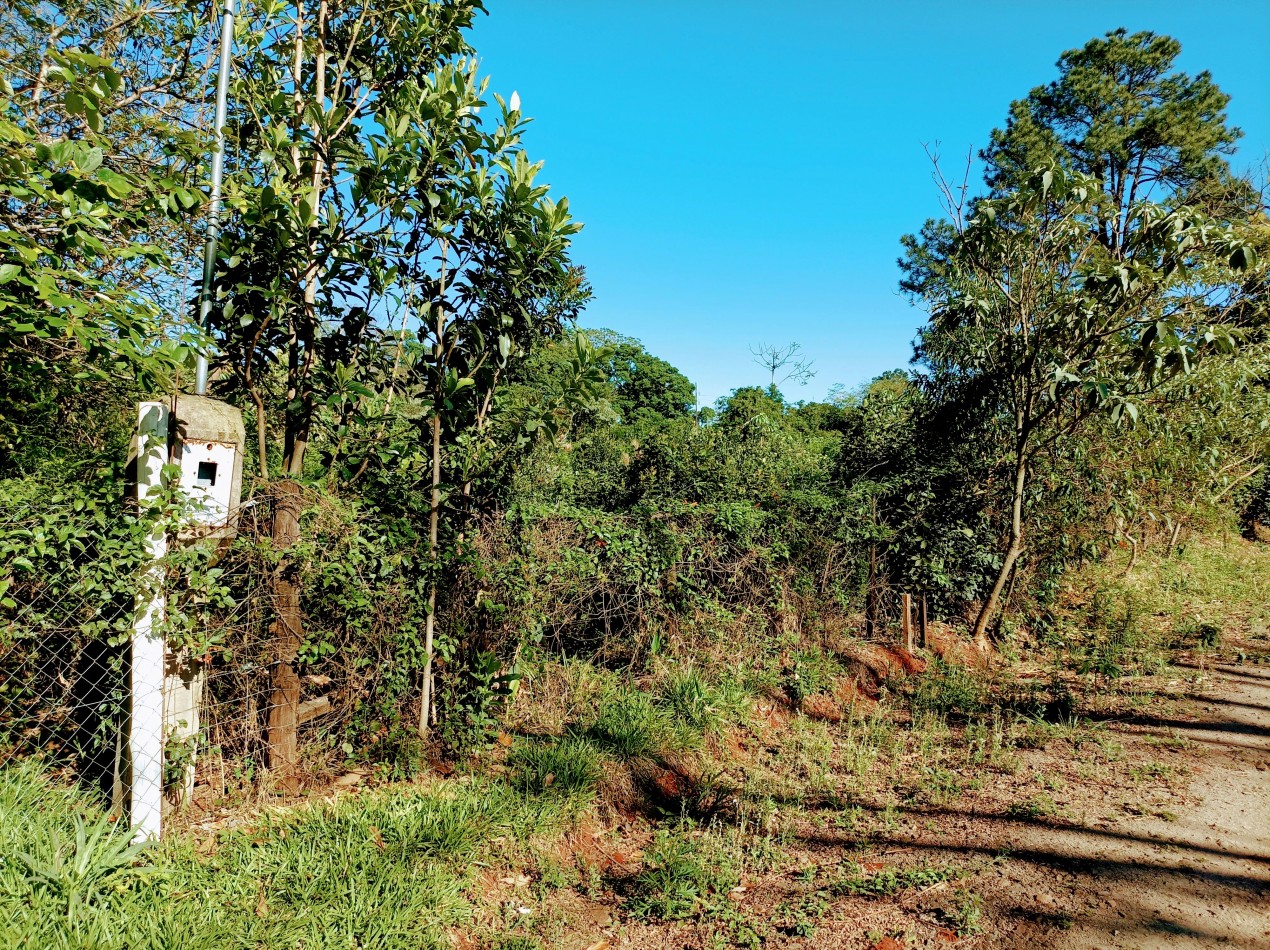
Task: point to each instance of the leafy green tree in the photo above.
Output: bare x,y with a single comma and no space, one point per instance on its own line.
1120,114
386,237
645,387
1085,278
78,260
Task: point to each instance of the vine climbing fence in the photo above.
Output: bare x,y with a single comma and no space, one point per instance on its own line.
73,576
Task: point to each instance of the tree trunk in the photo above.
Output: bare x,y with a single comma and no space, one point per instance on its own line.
425,702
871,608
288,635
1011,557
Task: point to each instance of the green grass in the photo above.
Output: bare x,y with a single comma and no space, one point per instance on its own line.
946,689
631,724
889,881
570,767
699,704
689,871
1211,590
380,870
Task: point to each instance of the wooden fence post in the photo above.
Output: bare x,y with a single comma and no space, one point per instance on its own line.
921,623
906,618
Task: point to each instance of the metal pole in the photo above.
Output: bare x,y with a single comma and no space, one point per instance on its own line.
218,171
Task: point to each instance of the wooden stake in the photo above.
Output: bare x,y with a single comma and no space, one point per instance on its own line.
906,618
921,624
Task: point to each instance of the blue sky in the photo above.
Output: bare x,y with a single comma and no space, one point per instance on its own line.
745,169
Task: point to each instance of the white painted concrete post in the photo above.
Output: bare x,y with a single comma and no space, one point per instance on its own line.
145,726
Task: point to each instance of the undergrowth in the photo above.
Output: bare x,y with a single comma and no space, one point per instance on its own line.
380,870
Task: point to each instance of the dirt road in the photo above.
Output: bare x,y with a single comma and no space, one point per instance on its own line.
1202,879
1145,828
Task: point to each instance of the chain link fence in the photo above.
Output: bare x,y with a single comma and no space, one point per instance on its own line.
73,575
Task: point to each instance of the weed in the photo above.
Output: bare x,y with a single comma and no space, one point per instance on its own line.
677,877
630,724
965,916
519,943
936,786
77,870
812,671
689,871
1039,806
889,881
570,766
1153,771
948,689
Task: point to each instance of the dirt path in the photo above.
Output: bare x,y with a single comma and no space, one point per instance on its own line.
1190,870
1166,848
1202,880
1144,828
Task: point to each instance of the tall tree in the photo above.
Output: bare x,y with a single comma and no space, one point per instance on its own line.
386,234
1119,113
1088,274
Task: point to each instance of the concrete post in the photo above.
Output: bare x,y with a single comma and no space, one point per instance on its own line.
144,761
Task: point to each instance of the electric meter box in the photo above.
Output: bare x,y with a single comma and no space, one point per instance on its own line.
207,444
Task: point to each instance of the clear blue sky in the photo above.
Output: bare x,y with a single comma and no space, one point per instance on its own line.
745,169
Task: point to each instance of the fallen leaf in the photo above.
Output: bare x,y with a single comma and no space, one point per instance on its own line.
504,739
598,945
262,904
551,777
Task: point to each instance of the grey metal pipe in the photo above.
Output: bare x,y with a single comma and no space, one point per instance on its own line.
218,172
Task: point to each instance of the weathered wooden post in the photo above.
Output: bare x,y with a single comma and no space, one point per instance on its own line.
921,623
906,620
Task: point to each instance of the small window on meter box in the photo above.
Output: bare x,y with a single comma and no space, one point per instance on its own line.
207,473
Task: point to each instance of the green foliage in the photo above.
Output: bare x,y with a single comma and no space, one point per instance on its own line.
394,308
74,215
891,880
382,870
1118,113
631,724
568,767
945,688
700,705
1085,281
690,871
